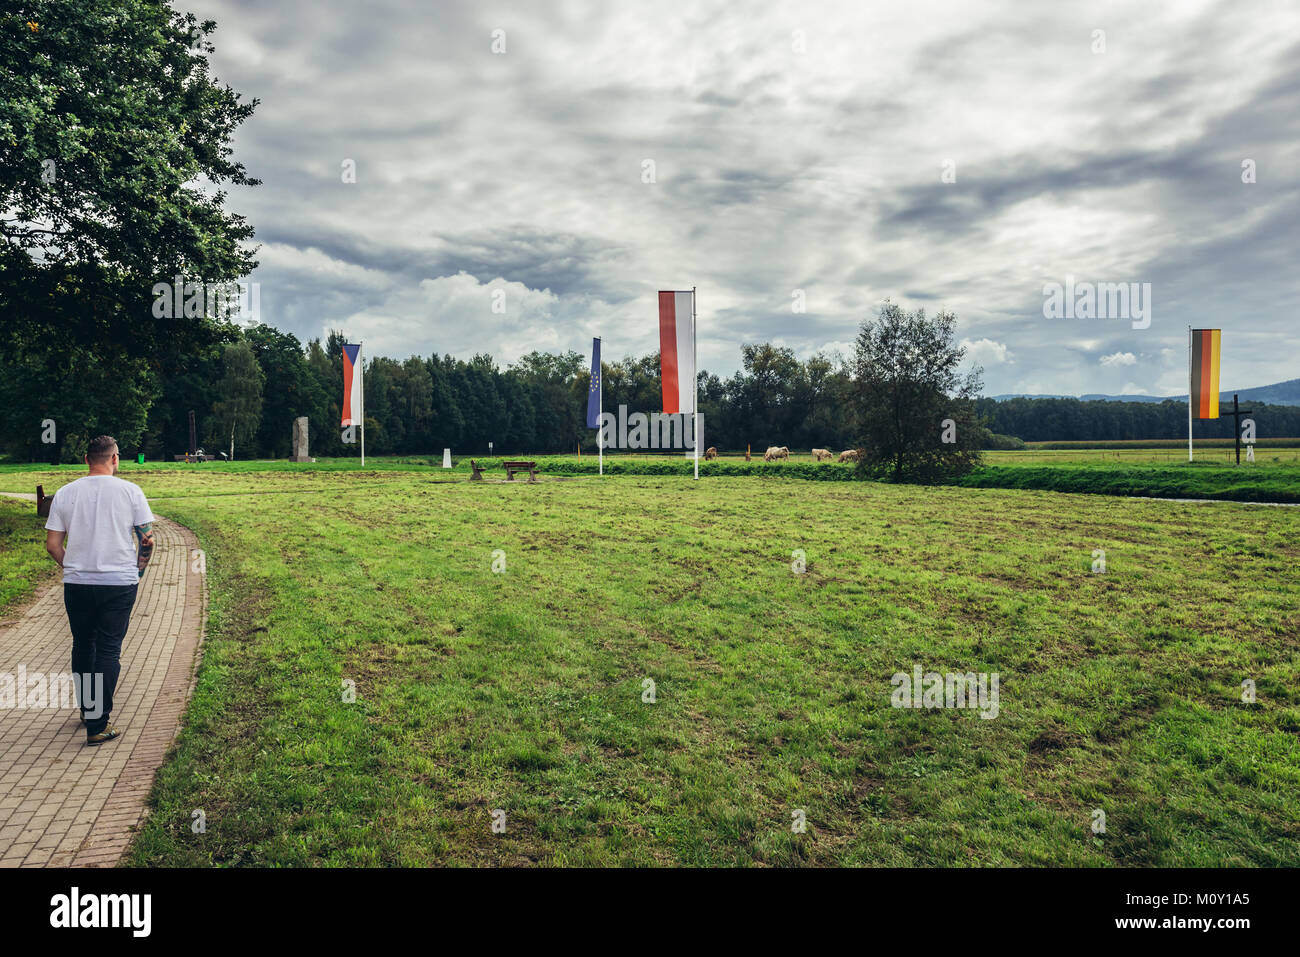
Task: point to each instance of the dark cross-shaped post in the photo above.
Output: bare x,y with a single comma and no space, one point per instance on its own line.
1237,413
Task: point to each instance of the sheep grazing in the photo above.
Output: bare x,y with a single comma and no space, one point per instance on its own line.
822,455
710,453
850,455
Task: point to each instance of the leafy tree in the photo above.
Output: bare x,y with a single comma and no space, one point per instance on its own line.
188,384
378,383
238,412
114,148
521,428
916,413
416,404
558,386
327,373
448,421
290,391
83,394
112,137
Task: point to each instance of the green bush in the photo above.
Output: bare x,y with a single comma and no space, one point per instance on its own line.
825,471
995,442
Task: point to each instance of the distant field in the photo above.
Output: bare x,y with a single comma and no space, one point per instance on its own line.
522,691
1151,473
1061,453
1166,444
1264,457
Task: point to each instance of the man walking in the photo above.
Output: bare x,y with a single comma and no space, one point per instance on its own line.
102,517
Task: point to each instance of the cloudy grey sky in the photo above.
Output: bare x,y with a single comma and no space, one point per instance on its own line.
796,146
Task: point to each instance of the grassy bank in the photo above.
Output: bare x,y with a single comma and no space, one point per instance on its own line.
1281,485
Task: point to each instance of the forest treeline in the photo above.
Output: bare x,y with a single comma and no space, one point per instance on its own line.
247,391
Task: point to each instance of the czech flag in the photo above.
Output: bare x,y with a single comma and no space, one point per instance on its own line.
677,351
1205,373
352,384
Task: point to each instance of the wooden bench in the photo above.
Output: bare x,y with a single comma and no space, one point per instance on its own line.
186,457
43,502
513,467
478,471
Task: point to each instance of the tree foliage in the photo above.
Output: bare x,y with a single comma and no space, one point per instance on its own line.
114,146
915,408
114,154
237,412
419,406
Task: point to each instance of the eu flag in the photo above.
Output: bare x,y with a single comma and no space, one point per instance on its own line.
593,394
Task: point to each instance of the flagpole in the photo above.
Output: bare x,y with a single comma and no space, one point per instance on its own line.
1189,393
600,414
362,375
695,403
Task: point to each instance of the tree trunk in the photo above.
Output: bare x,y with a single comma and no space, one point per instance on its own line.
232,442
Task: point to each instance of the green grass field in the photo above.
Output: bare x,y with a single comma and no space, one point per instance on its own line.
23,562
521,690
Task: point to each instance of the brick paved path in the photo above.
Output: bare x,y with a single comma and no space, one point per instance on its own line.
62,803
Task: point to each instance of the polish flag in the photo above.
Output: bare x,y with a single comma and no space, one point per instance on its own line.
677,351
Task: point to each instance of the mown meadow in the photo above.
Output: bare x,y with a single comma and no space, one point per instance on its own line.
23,562
524,689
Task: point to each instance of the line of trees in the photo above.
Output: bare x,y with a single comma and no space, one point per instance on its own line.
1077,420
247,389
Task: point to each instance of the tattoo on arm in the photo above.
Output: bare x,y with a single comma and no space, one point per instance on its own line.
145,535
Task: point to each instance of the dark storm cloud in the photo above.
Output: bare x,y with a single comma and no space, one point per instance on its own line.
776,171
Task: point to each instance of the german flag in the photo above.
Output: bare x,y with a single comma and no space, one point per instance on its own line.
1205,373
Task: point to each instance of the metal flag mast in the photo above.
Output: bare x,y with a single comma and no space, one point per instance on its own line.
1189,393
362,371
600,414
695,401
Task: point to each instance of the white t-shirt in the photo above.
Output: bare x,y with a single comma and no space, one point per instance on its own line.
99,513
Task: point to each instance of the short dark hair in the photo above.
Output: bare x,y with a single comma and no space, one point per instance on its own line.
100,449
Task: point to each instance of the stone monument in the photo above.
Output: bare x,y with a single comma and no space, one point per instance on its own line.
300,440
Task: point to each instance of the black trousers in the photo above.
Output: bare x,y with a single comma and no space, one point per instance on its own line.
98,616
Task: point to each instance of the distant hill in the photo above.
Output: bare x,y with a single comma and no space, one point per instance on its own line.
1099,397
1279,393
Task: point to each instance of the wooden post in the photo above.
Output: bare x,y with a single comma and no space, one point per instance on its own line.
1237,413
1236,427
